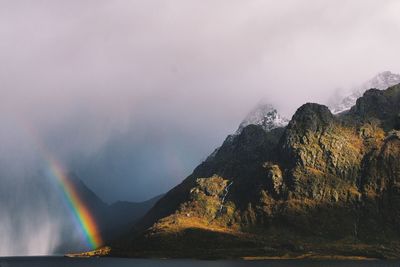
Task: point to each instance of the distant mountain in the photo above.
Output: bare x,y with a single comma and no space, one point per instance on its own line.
122,216
323,186
132,210
381,81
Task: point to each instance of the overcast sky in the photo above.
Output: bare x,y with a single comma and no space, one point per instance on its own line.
134,94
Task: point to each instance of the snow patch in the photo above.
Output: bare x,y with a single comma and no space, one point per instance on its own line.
264,115
381,81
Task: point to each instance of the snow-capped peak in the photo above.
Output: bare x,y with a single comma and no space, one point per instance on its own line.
264,115
381,81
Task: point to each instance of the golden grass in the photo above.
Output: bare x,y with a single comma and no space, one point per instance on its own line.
100,252
176,223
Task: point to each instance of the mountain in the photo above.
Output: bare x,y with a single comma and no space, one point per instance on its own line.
381,81
323,186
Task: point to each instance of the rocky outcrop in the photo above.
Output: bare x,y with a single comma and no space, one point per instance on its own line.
321,155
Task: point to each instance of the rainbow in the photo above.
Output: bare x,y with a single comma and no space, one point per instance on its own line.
81,213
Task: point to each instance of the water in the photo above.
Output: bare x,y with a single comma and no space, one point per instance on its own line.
116,262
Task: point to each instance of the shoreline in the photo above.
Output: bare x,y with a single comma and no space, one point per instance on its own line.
105,253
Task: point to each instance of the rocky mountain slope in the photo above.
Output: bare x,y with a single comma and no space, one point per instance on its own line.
324,186
381,81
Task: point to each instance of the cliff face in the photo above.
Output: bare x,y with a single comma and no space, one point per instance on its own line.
324,185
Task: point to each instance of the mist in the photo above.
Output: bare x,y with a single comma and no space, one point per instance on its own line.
132,95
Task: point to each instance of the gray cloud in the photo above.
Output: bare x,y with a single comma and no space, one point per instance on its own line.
133,94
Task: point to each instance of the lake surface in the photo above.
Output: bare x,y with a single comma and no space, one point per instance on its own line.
116,262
